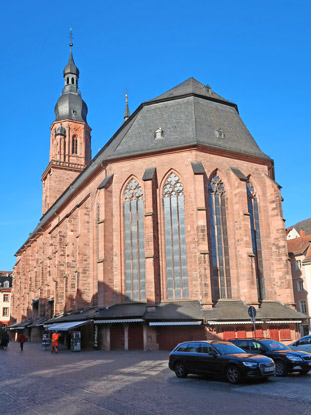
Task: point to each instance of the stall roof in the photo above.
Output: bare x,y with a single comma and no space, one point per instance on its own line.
66,326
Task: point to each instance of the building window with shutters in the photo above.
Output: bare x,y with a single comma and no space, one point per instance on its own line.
133,211
256,239
175,239
5,298
220,263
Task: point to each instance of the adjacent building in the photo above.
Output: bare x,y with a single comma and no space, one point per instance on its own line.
299,249
169,233
5,297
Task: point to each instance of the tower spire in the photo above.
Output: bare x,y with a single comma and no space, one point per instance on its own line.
127,111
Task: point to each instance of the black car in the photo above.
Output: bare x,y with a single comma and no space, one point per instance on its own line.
286,360
219,358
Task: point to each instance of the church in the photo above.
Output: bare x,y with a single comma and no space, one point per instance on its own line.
168,234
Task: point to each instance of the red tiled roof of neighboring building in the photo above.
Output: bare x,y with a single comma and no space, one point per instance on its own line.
298,245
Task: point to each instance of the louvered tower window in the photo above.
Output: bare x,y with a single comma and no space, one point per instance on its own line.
175,239
256,240
220,264
133,207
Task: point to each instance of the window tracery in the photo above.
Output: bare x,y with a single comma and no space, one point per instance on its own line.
133,207
175,238
220,263
256,239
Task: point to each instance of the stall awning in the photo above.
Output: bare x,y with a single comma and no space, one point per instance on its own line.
237,323
120,320
66,326
175,323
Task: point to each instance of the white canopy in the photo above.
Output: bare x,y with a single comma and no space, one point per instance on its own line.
66,326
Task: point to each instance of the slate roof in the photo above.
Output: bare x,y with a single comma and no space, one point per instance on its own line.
231,310
177,311
124,310
191,86
188,116
21,324
276,310
86,314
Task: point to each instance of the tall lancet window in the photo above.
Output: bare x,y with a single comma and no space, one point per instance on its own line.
221,279
175,239
256,240
133,207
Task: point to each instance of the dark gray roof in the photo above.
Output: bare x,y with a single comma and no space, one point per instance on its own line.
124,310
177,311
70,106
6,277
276,310
149,173
71,67
60,131
105,182
38,323
189,117
239,174
21,324
238,310
197,168
191,86
85,314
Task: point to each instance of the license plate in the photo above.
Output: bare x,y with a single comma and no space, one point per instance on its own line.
269,369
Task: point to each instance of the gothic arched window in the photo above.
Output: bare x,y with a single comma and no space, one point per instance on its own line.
74,145
256,240
175,239
133,207
221,279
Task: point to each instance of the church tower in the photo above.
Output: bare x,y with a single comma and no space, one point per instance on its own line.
70,142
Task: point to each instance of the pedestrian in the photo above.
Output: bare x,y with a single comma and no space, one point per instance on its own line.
4,341
22,339
55,338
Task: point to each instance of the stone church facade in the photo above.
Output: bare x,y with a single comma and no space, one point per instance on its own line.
169,233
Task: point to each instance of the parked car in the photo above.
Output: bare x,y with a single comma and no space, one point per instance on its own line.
303,344
286,360
219,358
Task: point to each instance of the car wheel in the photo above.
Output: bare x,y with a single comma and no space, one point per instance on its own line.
233,374
280,368
304,372
180,370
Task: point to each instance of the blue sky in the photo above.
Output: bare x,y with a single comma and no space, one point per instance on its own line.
254,53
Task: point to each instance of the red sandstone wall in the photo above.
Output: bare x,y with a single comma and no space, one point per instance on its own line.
78,259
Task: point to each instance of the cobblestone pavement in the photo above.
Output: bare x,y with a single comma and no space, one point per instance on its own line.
132,383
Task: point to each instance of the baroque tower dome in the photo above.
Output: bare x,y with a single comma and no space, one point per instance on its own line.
70,105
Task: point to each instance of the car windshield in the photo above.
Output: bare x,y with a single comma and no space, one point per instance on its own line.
274,345
224,348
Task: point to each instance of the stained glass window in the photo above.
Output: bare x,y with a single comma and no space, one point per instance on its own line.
133,207
256,240
220,264
175,239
